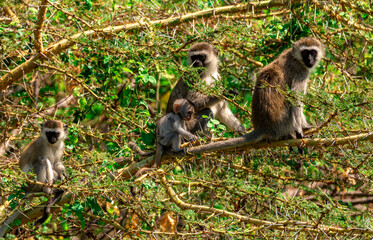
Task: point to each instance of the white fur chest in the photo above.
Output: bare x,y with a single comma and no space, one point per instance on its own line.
212,78
54,153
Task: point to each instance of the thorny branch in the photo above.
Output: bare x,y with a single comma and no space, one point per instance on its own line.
60,46
282,225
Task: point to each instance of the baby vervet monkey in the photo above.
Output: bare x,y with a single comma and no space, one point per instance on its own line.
43,155
204,55
170,128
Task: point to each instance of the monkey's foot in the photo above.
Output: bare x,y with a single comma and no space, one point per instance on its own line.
182,151
143,171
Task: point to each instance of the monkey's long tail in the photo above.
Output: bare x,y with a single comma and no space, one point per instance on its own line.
47,210
6,225
136,149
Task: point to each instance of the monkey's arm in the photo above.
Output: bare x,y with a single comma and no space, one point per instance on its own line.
222,112
201,101
44,172
138,150
184,133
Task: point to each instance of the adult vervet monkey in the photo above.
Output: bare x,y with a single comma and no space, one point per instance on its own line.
274,117
204,55
43,156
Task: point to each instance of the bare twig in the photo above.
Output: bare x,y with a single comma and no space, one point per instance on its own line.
11,14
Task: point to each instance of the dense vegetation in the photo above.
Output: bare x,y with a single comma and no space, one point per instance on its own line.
106,68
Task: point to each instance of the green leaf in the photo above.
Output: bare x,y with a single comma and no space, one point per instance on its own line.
148,138
127,70
82,102
95,207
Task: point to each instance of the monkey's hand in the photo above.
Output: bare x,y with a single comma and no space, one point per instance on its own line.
192,138
183,150
63,176
240,129
230,93
233,92
307,126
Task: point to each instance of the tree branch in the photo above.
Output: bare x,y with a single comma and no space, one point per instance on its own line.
339,18
241,143
11,14
62,45
39,26
289,225
30,215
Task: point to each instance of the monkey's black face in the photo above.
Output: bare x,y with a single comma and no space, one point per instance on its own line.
198,60
52,136
309,57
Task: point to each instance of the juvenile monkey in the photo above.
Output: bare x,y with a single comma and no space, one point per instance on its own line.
170,128
204,55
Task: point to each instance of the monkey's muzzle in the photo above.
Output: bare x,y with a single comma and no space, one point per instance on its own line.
52,137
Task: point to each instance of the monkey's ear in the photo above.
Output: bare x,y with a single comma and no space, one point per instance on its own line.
65,127
42,126
215,51
176,106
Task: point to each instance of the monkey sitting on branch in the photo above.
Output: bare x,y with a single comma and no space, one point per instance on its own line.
204,56
170,128
274,117
44,157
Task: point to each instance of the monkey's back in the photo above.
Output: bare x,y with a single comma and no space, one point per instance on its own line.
180,91
269,106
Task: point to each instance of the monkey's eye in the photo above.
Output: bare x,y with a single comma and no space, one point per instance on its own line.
313,52
190,112
200,57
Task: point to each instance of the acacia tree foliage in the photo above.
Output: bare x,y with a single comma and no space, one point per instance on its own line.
106,68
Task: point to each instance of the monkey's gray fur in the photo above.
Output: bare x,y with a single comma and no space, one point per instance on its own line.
204,55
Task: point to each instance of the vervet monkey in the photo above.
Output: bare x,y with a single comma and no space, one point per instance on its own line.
170,128
43,155
204,55
274,117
